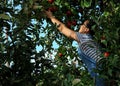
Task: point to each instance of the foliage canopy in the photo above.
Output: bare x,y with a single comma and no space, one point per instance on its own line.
23,27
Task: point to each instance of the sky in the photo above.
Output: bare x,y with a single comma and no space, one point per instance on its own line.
39,48
55,45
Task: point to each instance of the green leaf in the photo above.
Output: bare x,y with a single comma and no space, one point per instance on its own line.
110,72
75,81
82,3
114,60
57,2
104,42
31,2
87,3
2,48
4,16
38,7
106,14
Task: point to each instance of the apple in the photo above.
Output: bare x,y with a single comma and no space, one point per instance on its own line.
50,1
103,38
74,22
69,13
106,54
52,9
69,23
60,54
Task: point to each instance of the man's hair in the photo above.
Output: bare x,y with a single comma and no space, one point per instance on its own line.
89,25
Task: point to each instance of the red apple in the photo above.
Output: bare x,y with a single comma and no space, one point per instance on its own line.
50,1
103,38
60,54
69,23
74,22
52,9
106,54
69,13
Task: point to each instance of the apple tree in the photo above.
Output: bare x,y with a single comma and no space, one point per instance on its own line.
34,53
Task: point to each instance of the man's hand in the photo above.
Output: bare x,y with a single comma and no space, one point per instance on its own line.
49,14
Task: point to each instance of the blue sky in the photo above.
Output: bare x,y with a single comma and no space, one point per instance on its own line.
39,48
55,45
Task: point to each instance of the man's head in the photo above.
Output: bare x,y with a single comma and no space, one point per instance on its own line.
86,27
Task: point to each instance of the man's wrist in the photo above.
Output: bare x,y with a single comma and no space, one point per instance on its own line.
52,17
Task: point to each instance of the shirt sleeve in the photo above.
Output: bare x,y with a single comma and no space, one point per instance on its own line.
83,37
78,36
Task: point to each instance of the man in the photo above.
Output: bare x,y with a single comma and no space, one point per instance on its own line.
89,51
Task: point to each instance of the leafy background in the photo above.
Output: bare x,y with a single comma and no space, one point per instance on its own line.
22,29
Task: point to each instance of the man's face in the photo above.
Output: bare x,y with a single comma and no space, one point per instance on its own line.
83,29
